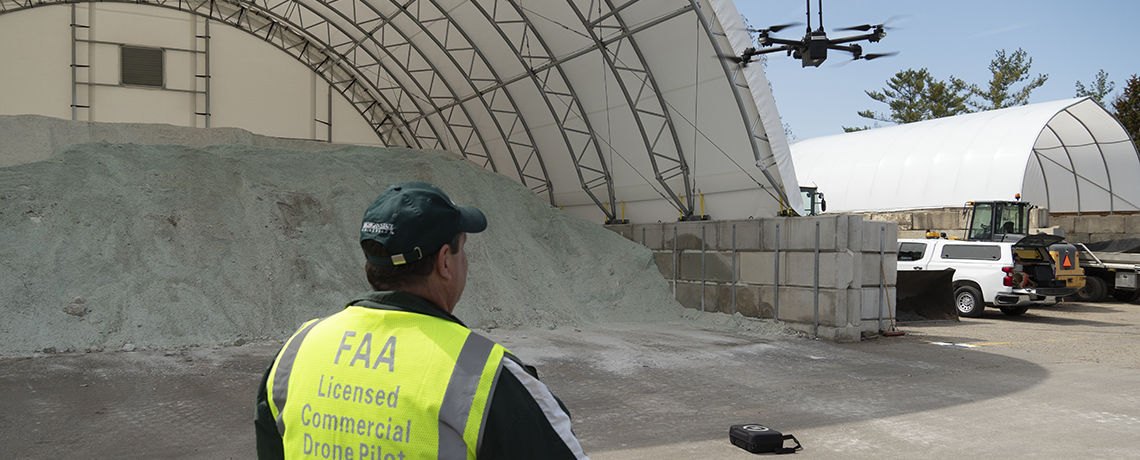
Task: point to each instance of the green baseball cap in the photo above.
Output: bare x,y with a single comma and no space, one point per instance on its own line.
414,220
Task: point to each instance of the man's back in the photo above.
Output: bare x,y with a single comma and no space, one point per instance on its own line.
392,374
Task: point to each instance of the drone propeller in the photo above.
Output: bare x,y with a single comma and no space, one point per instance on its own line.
775,28
866,57
876,56
862,28
867,27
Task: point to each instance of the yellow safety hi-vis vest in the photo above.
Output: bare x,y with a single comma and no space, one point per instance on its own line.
377,385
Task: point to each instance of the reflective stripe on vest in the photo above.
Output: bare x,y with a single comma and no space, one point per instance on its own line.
340,389
284,366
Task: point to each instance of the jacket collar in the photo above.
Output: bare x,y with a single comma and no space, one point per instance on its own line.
402,301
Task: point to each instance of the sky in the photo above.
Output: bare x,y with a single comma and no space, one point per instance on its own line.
1069,41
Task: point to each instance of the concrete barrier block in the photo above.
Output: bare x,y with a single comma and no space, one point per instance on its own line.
711,266
836,269
1099,237
854,304
747,235
798,233
626,231
712,302
1078,237
873,271
801,269
870,300
855,233
664,261
760,267
904,220
843,314
876,232
764,301
1132,225
843,232
652,236
1100,224
746,300
774,234
938,221
797,305
689,295
1065,222
912,234
802,233
691,235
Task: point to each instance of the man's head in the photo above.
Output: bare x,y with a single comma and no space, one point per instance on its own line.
404,230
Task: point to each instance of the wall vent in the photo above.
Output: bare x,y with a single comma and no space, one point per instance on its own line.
141,66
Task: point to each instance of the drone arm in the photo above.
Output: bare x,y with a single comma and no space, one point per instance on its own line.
847,48
778,48
869,37
769,41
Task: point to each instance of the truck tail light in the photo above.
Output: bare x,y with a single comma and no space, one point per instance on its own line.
1007,269
1008,280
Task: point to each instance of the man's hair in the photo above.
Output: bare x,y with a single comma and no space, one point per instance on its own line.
396,277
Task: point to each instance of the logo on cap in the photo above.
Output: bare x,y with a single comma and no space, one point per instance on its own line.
378,228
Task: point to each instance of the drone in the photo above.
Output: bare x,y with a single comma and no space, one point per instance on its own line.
812,49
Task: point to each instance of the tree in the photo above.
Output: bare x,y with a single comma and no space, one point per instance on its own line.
946,99
1127,107
1007,71
1100,88
915,95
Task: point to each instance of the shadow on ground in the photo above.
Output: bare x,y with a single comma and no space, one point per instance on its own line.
629,388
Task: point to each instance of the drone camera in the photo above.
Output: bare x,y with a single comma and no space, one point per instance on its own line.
816,51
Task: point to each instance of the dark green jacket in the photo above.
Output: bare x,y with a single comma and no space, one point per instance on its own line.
516,426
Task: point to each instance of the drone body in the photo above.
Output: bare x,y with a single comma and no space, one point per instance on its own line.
811,50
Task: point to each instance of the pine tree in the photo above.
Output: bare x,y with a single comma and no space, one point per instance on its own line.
915,95
1127,107
1100,88
1007,71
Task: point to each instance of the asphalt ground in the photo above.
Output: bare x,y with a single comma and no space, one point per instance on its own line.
1057,382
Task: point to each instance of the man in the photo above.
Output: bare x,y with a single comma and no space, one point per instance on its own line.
395,375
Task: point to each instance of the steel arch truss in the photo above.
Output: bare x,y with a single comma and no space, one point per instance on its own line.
431,74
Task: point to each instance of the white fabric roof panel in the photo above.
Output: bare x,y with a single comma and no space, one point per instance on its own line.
1070,156
591,104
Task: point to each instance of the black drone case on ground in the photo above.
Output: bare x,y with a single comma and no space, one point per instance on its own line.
760,439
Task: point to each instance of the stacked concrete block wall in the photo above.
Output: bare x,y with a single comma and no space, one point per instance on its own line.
1097,228
1087,228
768,269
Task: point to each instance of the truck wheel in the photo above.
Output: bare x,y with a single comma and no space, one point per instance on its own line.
969,302
1094,290
1014,311
1126,296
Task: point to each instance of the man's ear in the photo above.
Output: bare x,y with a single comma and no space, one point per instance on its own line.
443,266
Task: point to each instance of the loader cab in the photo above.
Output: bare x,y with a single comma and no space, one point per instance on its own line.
1008,221
814,203
997,220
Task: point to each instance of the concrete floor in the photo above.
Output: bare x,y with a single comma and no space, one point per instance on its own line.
1057,382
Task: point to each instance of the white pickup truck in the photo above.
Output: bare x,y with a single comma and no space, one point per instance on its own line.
983,271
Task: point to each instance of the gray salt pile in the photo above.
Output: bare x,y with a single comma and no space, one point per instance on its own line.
107,245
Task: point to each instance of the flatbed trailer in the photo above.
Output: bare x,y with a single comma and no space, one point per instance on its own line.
1108,274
